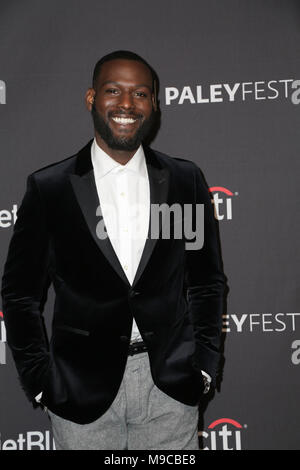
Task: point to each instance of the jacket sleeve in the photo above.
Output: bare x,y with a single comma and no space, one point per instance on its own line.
206,285
25,283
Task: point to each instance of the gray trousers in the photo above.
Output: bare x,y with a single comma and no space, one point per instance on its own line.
141,417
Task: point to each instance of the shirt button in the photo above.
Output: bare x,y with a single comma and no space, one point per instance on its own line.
122,194
125,266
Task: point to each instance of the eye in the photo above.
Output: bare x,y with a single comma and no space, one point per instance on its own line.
142,94
113,91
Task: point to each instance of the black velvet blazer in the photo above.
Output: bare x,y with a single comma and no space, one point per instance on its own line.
176,298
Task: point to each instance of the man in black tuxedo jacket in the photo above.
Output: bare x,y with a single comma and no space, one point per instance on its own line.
151,306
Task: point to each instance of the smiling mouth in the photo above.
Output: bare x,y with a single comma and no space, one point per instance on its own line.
123,120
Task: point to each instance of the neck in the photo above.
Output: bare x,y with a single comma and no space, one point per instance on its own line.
120,156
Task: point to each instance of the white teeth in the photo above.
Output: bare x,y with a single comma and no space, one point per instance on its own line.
123,120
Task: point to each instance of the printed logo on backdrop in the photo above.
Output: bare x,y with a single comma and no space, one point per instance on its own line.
296,94
223,434
8,217
31,440
229,92
2,340
295,352
2,92
261,322
271,323
222,200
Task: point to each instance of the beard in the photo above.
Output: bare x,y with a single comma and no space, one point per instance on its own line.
122,143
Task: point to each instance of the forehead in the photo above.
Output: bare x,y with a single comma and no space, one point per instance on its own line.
131,72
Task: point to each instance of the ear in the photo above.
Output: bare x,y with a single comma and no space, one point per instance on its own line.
154,96
89,98
154,102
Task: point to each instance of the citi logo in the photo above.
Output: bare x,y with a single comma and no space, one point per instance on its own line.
222,200
223,434
2,92
2,340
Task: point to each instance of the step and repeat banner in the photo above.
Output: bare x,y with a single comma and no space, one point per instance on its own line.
229,96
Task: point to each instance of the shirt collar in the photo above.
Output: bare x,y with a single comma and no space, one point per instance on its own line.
104,164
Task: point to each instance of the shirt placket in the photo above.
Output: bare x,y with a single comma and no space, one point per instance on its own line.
124,225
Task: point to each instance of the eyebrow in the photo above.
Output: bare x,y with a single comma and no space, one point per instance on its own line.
116,83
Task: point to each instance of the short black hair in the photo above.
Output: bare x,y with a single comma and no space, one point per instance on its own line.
128,55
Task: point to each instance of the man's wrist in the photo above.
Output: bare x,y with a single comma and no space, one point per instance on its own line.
206,380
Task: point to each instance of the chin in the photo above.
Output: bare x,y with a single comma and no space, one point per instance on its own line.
124,146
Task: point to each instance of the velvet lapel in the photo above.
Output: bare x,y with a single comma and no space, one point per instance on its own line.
84,186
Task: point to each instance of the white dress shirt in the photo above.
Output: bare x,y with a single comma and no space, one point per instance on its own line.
124,196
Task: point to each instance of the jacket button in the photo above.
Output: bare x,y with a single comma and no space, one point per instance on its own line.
134,293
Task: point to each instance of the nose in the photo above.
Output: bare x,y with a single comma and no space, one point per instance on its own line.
126,101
